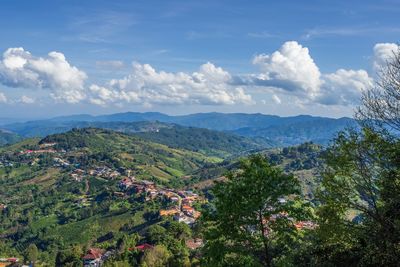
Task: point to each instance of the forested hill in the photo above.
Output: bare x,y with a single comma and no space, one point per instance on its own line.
8,138
274,130
204,140
303,161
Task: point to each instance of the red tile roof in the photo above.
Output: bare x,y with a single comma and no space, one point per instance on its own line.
93,253
142,247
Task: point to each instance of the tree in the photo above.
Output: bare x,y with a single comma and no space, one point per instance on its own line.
156,234
31,254
360,211
381,104
70,256
156,257
255,211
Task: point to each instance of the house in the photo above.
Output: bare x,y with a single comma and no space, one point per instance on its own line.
125,183
183,218
148,184
138,188
142,247
305,225
114,174
152,193
194,244
5,262
169,212
187,209
93,258
45,145
174,199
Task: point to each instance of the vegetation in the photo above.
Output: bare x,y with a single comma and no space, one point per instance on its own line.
253,224
8,138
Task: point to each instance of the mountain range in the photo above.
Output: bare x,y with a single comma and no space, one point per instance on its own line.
274,130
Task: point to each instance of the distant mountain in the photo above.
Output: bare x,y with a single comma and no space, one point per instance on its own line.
8,138
280,131
317,130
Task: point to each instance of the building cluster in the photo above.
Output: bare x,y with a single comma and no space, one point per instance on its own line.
181,202
102,172
38,151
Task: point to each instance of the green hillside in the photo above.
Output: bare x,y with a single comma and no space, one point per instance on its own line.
65,189
8,138
303,161
203,140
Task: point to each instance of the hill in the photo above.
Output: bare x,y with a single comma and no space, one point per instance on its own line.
275,130
213,143
57,190
203,140
303,161
8,138
96,186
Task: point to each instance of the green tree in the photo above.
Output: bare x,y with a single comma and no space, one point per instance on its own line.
156,257
360,211
70,256
255,211
156,234
31,254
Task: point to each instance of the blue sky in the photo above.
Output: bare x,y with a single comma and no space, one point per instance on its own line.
178,57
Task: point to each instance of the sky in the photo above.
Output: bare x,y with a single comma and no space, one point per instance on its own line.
180,57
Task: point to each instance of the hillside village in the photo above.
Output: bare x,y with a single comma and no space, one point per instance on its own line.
177,204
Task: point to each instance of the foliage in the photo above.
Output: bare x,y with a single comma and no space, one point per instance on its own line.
255,211
156,257
359,216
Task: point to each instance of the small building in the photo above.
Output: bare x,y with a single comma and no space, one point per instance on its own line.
169,212
185,219
93,258
194,244
142,247
125,183
5,262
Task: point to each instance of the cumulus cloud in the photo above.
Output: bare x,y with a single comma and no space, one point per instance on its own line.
291,68
382,53
344,87
210,85
19,68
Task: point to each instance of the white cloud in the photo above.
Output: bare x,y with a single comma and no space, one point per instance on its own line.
292,71
27,100
3,98
344,87
291,68
382,53
20,69
210,85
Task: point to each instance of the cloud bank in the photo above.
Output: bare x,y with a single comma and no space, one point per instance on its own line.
287,74
147,86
